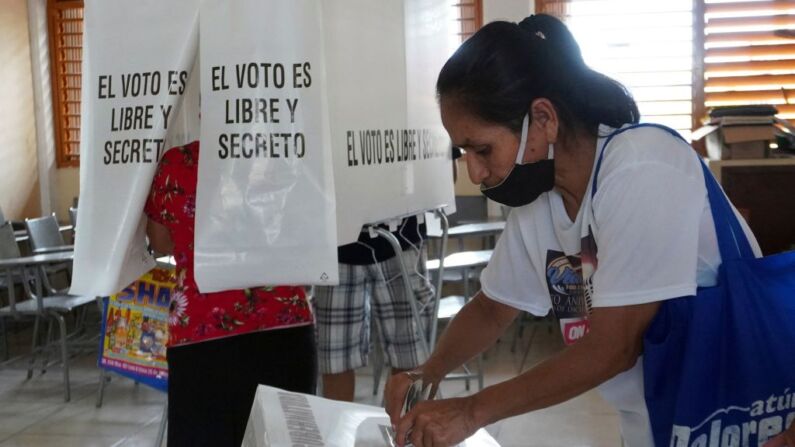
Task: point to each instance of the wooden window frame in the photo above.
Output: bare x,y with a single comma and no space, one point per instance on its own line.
699,108
64,156
760,43
542,6
476,19
699,66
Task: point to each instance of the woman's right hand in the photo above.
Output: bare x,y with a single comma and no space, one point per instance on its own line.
785,439
396,388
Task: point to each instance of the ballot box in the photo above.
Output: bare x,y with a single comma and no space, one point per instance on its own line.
282,418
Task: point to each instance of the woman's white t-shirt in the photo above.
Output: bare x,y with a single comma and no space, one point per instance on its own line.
646,235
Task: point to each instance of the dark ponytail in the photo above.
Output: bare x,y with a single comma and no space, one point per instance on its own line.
500,70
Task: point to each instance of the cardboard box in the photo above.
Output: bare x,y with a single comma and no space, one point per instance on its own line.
736,142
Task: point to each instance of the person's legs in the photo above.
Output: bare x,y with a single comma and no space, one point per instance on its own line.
212,384
203,404
180,385
343,331
281,358
399,335
288,360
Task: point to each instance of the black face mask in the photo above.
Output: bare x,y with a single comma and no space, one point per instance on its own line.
525,182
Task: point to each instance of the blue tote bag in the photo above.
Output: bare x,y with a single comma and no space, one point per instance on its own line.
719,367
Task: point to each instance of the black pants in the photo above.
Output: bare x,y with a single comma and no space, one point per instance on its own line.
211,385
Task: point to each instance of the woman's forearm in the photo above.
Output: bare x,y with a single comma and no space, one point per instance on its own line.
612,346
475,328
547,384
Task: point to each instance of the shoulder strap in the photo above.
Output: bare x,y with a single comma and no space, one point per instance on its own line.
732,241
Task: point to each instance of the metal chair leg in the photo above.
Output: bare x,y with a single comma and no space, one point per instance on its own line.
527,349
519,333
46,347
161,432
64,355
479,361
104,378
33,347
80,320
4,334
378,361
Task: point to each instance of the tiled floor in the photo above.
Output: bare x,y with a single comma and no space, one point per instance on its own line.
32,412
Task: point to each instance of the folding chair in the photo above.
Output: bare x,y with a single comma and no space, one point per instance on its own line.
45,237
38,307
463,263
45,234
8,249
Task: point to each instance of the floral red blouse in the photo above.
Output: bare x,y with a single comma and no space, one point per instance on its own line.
195,316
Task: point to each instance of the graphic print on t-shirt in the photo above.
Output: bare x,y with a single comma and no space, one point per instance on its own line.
570,288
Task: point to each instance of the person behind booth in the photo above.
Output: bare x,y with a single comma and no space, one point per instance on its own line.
371,288
531,116
221,345
371,291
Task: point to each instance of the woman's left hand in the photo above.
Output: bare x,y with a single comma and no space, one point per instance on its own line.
436,423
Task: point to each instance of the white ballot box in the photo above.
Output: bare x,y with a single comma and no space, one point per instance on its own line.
281,418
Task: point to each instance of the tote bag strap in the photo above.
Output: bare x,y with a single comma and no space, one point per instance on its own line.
732,241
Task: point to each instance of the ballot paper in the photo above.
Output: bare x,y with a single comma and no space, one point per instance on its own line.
282,418
418,392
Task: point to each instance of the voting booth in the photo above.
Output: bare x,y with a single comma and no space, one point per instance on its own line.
314,118
139,97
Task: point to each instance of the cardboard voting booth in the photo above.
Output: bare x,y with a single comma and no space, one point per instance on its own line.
391,155
265,205
282,418
314,119
137,64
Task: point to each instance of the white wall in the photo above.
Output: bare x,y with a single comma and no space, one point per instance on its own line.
19,189
42,100
66,187
57,186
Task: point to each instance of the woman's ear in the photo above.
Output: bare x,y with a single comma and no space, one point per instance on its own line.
544,115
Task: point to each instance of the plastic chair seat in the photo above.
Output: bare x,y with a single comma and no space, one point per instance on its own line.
457,276
462,259
449,306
